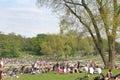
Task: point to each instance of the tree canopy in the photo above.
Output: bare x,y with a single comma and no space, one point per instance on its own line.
99,17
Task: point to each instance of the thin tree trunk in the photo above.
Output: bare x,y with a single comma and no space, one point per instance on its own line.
103,56
111,54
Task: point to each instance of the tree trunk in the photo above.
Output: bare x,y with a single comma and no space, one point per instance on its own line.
97,39
108,60
101,52
111,60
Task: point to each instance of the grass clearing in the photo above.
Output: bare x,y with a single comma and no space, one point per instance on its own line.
55,76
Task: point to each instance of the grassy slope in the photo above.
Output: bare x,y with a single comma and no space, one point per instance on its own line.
54,76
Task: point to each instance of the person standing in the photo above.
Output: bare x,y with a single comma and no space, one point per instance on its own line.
1,68
1,62
78,65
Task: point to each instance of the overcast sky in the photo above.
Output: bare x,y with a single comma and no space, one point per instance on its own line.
24,18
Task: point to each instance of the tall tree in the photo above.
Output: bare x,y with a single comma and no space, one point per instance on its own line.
99,17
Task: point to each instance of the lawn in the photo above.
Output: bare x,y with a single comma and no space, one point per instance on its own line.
55,76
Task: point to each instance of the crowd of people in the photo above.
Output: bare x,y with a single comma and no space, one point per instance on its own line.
61,68
42,66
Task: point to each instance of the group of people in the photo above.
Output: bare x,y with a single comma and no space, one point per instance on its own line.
2,73
60,67
39,67
92,68
110,76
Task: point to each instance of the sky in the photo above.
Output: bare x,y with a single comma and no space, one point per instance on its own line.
25,18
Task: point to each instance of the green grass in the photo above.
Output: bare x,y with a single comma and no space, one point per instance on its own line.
55,76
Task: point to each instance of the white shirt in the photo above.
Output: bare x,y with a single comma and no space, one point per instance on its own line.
1,62
99,70
86,68
91,70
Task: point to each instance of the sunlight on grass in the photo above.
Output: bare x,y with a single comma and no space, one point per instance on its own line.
55,76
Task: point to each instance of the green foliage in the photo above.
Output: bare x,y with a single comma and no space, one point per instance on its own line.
46,48
32,46
64,45
10,45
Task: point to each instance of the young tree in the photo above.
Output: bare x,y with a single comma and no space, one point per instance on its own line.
99,17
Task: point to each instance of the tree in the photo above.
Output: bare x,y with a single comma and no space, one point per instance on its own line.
10,45
99,17
46,48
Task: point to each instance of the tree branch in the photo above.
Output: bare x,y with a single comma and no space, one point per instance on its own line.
72,11
118,10
92,19
72,3
99,45
89,30
104,17
115,15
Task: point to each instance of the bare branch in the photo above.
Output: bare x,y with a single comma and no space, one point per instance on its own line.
73,3
103,16
72,11
115,15
92,18
118,11
84,24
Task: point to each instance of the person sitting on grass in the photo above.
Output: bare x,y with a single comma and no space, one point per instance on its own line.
117,77
109,74
60,71
98,70
86,68
91,70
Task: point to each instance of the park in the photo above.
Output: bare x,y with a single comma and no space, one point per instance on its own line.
87,46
